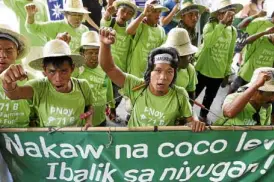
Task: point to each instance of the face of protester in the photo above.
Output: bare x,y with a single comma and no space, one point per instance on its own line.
124,14
74,19
91,57
190,19
154,17
8,54
161,78
265,98
184,61
60,76
221,15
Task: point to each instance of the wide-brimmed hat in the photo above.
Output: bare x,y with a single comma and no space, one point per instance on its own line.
56,48
23,44
89,39
179,39
268,85
225,5
188,6
156,5
74,6
129,3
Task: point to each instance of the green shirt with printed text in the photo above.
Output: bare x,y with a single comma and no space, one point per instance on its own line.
214,57
60,109
151,110
146,39
121,47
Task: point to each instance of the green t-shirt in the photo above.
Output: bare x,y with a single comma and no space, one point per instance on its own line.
151,110
101,90
245,117
214,57
121,47
50,29
18,7
14,113
145,39
258,25
60,109
258,54
187,78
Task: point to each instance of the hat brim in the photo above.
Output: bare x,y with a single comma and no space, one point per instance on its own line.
183,50
23,41
264,88
91,45
237,7
77,60
117,3
200,8
75,10
163,9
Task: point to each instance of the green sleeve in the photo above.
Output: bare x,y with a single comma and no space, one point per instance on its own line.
185,110
231,52
268,116
38,86
105,23
212,33
49,29
193,81
110,98
131,82
253,27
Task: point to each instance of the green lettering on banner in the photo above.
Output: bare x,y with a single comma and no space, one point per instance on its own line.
139,156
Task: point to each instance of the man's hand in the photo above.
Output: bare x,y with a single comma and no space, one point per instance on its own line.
11,75
107,35
176,8
88,117
64,37
111,10
262,13
228,17
31,9
262,78
197,126
148,9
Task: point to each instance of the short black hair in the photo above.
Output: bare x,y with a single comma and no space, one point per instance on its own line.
57,61
173,63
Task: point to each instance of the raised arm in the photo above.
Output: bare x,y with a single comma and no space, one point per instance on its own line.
167,19
12,90
253,38
243,24
107,37
231,110
132,27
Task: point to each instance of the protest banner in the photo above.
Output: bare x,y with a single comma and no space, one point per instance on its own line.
114,154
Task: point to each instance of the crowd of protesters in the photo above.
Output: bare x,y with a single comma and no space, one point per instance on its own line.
63,73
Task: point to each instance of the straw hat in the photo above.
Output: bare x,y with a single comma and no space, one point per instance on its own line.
179,39
56,48
156,5
130,3
23,42
268,85
187,6
225,5
90,39
74,6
